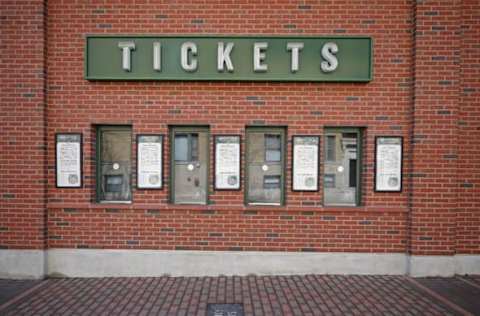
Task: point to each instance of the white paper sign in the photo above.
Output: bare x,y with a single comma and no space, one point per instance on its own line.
227,162
68,161
388,165
305,163
149,166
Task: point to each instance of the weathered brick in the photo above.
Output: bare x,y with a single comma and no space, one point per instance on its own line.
76,105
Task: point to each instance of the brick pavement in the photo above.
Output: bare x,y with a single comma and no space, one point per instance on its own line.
460,291
260,295
11,288
474,278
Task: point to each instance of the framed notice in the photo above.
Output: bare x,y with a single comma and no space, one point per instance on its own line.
388,163
305,163
68,160
227,162
149,161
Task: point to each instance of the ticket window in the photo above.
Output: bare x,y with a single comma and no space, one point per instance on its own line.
190,148
342,167
265,166
114,145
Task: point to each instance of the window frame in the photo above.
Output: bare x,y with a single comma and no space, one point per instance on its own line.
359,131
282,130
187,129
99,129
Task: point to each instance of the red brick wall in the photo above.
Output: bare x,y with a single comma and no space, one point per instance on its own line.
435,130
226,230
22,128
437,212
445,212
468,218
382,106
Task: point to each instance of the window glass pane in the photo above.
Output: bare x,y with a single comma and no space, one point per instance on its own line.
340,180
273,155
190,168
330,148
353,173
256,148
194,146
114,164
116,146
272,141
272,148
181,147
265,173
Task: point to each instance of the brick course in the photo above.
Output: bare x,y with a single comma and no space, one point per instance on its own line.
468,215
23,126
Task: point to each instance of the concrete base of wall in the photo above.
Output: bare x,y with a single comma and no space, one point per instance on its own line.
89,263
22,264
136,263
467,264
421,266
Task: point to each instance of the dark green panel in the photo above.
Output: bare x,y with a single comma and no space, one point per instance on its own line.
103,60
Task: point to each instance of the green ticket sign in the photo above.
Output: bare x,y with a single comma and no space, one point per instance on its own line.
242,58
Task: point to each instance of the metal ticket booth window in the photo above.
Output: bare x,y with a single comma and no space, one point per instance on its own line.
114,149
265,166
342,169
189,160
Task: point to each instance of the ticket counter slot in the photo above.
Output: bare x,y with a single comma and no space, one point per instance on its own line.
113,183
114,164
190,166
265,159
329,181
271,182
341,168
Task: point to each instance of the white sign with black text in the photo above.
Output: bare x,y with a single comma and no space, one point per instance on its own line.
305,163
227,162
68,160
388,164
149,165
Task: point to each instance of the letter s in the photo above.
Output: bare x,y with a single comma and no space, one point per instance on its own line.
330,63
